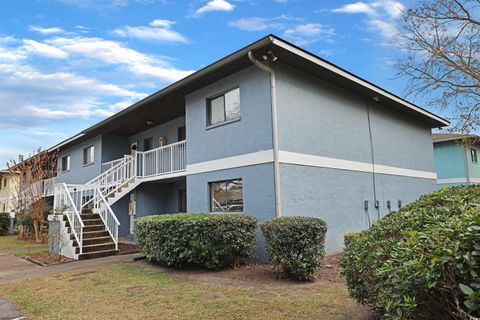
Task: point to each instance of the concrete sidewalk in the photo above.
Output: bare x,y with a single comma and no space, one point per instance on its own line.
11,269
11,265
8,311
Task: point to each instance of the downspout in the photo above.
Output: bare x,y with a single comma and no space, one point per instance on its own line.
276,163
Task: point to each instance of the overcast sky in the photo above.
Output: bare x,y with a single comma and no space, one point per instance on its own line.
67,64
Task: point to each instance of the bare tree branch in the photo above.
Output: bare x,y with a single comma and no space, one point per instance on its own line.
442,62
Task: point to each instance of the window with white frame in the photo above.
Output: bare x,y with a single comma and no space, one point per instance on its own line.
224,108
88,155
66,163
473,154
226,196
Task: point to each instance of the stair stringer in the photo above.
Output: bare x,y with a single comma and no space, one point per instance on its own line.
68,249
124,191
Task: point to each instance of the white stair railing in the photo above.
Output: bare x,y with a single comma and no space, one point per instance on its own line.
92,195
115,173
74,198
63,202
110,164
106,214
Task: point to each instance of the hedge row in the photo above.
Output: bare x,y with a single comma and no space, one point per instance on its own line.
422,262
213,241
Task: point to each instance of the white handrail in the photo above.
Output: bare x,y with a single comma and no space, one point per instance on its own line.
63,202
108,182
102,178
108,216
110,164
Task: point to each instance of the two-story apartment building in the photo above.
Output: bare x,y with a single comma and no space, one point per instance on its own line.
9,189
269,130
456,159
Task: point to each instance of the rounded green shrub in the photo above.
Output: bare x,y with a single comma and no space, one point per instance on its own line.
295,245
422,262
212,241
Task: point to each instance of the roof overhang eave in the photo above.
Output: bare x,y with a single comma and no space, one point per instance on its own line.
433,119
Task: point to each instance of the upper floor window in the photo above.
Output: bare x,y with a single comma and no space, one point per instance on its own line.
5,182
65,163
473,153
223,108
88,155
226,196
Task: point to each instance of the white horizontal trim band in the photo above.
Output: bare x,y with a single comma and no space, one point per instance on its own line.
287,157
341,164
458,180
248,159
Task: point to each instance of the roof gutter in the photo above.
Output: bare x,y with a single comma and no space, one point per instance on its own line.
276,163
59,145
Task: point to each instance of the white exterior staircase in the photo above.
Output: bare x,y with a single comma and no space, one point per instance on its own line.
90,226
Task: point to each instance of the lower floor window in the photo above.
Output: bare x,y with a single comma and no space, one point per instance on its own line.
226,196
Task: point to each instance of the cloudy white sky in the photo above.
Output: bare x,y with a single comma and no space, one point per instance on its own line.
66,64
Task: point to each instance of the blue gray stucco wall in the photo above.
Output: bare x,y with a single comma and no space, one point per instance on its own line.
114,147
258,191
155,197
252,133
79,173
120,208
317,118
169,130
258,194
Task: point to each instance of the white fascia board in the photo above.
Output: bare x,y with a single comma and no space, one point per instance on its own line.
66,142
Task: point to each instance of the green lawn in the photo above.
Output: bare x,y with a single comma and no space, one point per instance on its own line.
129,291
12,245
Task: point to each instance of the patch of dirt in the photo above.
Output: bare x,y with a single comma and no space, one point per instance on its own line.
47,259
255,275
260,276
126,248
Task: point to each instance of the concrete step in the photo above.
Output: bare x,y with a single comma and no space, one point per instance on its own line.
97,254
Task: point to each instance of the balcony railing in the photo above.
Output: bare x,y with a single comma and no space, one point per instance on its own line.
171,158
